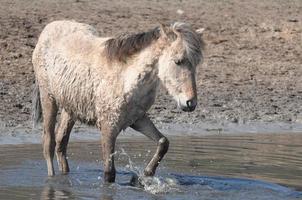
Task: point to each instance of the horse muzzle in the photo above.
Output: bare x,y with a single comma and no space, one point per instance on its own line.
190,105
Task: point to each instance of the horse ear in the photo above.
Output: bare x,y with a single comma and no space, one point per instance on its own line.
200,31
164,29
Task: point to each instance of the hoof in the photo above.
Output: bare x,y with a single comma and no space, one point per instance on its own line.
135,181
65,172
109,177
51,174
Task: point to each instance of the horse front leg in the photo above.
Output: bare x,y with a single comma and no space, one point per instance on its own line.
108,145
146,127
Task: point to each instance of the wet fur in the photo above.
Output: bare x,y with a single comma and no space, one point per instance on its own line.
111,82
125,45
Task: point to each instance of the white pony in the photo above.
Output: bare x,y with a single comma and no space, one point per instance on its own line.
110,82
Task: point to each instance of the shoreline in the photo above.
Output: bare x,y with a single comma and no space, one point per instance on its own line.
81,132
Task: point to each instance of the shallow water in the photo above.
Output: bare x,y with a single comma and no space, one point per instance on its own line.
254,166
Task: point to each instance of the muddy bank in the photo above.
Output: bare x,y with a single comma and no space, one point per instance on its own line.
251,73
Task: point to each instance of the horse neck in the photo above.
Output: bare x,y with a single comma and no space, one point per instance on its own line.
142,73
148,61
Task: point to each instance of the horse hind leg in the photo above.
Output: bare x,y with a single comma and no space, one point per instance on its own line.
62,138
49,111
146,127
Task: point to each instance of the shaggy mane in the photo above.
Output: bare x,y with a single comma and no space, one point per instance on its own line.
125,45
191,40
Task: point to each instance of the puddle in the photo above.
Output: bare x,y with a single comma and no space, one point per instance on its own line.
255,166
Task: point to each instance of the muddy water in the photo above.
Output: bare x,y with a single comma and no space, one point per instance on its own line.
255,166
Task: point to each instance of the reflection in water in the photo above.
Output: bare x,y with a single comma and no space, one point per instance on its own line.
53,193
186,172
57,187
50,193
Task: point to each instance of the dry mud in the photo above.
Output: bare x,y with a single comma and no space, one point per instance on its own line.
252,70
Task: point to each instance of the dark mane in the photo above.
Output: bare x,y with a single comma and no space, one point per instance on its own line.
125,45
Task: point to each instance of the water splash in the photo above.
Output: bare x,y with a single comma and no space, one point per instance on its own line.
131,166
159,185
153,185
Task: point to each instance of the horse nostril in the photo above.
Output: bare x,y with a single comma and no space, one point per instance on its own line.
191,104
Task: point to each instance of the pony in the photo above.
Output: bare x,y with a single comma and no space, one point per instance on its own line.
110,82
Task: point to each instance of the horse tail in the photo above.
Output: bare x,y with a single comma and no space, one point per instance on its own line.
36,106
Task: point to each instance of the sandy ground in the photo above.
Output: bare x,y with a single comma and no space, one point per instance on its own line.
252,70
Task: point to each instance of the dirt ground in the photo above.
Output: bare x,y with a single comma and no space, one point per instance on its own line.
252,70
